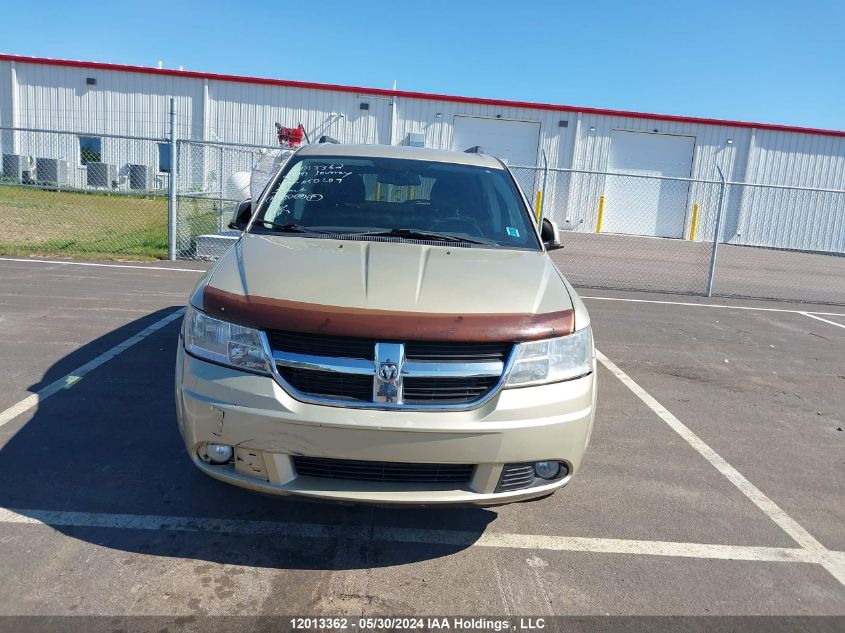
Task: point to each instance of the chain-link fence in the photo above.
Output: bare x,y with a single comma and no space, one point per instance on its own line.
650,233
212,178
783,243
80,194
106,195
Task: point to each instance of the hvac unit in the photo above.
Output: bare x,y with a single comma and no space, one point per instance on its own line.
102,175
416,139
53,171
140,177
19,167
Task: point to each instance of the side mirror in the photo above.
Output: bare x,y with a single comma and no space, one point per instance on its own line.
550,235
243,214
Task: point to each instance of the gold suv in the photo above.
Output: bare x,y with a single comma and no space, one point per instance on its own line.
389,328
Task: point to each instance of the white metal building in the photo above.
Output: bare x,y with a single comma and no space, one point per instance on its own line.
88,99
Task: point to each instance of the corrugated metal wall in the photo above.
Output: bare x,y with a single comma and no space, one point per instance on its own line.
5,93
790,218
712,148
58,97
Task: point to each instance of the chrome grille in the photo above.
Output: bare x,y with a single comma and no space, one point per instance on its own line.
399,472
387,374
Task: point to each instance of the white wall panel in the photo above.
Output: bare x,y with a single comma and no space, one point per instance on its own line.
247,113
5,93
792,218
711,149
57,97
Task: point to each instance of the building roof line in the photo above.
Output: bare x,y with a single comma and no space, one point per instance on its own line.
414,95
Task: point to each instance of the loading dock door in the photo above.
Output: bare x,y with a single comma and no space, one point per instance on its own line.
645,206
515,142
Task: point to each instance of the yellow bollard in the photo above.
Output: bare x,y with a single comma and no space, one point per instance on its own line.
601,214
378,190
538,205
694,222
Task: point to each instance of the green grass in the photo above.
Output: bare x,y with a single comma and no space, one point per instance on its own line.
96,225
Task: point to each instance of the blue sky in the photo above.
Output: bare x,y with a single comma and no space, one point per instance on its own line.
773,62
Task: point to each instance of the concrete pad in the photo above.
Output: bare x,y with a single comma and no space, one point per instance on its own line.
108,572
48,312
763,389
639,481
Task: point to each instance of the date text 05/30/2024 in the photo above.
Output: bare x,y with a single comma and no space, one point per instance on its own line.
417,623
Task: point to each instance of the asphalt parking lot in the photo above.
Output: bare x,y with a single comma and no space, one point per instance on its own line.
713,484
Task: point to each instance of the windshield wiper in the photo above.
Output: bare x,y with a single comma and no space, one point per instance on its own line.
416,234
288,227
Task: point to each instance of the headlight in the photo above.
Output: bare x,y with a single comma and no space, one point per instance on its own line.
552,360
223,342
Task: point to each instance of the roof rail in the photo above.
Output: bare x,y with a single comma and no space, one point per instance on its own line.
328,139
475,149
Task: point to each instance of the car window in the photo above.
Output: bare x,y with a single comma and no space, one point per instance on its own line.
350,195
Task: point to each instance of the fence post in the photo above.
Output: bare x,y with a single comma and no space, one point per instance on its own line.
543,194
538,207
171,186
717,233
600,217
694,221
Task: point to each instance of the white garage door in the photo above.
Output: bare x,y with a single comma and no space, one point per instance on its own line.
645,206
515,142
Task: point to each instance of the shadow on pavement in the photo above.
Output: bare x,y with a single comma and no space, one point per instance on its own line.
111,445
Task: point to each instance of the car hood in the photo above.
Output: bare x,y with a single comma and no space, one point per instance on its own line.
370,278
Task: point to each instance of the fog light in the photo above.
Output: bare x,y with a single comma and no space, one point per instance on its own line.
547,470
218,453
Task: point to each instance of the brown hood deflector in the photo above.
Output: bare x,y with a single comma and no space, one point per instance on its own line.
279,314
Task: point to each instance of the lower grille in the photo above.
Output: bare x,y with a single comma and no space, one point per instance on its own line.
516,476
447,390
396,472
332,384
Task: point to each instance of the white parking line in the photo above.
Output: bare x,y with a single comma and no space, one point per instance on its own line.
131,266
818,318
409,535
69,380
832,564
708,305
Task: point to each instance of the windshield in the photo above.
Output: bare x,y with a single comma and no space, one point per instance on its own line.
398,198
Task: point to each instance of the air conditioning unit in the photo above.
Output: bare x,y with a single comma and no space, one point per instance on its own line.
416,139
19,167
53,171
140,177
101,175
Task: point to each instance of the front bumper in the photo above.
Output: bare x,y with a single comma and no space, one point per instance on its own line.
267,426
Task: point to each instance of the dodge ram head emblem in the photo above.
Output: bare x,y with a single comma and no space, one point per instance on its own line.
388,372
387,381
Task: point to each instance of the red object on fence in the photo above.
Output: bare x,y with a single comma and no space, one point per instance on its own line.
290,136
